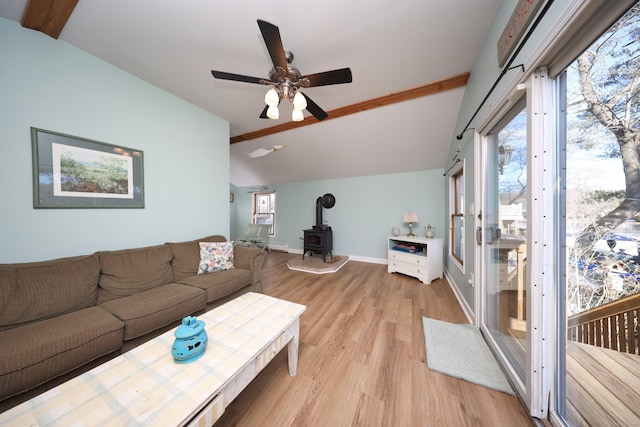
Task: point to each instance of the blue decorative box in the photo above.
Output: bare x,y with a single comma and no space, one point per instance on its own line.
191,340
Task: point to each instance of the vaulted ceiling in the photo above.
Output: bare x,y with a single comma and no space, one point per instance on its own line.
409,59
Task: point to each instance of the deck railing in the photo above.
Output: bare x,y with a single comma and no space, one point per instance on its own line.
613,325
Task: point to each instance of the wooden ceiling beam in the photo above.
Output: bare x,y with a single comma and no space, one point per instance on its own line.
48,16
429,89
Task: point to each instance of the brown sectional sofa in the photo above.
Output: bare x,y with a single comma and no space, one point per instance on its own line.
62,317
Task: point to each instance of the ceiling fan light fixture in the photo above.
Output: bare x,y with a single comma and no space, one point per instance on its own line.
273,112
286,80
299,101
272,98
297,115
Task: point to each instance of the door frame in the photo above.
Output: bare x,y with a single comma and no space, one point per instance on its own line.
541,215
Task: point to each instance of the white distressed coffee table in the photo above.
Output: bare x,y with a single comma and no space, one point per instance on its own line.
145,387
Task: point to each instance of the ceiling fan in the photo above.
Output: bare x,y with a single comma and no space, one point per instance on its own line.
286,80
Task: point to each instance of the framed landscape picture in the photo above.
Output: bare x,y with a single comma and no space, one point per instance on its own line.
72,172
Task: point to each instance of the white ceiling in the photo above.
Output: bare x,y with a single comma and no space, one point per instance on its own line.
390,46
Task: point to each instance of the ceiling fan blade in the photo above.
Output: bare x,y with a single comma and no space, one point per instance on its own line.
263,115
315,109
334,77
238,77
271,36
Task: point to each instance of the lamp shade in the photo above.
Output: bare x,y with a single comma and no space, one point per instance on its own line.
272,99
299,101
410,217
297,115
273,113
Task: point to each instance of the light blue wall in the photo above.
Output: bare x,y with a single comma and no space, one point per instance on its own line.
366,208
483,75
50,84
233,213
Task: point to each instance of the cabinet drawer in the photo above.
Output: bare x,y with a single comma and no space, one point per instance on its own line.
410,269
408,258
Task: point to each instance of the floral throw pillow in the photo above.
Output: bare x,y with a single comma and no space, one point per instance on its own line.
215,256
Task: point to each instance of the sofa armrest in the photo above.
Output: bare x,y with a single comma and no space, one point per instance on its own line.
250,259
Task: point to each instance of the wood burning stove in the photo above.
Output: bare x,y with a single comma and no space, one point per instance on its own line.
319,242
319,239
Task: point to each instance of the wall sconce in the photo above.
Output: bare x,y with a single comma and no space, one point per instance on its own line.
410,217
505,152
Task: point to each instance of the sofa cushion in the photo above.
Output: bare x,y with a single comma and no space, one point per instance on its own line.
215,256
39,290
149,310
130,271
220,283
186,256
33,354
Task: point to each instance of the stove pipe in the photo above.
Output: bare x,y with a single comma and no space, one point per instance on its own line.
318,214
327,201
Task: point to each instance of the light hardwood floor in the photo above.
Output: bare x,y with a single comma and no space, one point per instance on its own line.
362,357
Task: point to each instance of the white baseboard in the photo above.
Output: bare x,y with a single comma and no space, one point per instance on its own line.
468,312
282,247
368,259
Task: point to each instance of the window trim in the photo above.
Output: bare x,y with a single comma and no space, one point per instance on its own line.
272,213
455,172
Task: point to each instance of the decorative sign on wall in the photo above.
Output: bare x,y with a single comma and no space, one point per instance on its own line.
525,11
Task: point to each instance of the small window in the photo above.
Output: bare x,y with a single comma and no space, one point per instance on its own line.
264,210
457,216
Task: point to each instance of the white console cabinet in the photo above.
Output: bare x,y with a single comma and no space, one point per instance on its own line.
415,256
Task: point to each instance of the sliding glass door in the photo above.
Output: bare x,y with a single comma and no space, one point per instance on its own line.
601,139
558,241
504,239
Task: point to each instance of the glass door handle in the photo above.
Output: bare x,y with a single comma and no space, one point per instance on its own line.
493,234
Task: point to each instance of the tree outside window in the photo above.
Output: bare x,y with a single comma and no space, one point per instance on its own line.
603,168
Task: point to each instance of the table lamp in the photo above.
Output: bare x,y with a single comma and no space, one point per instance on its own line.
410,217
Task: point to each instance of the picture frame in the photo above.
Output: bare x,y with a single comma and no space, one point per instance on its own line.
71,172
